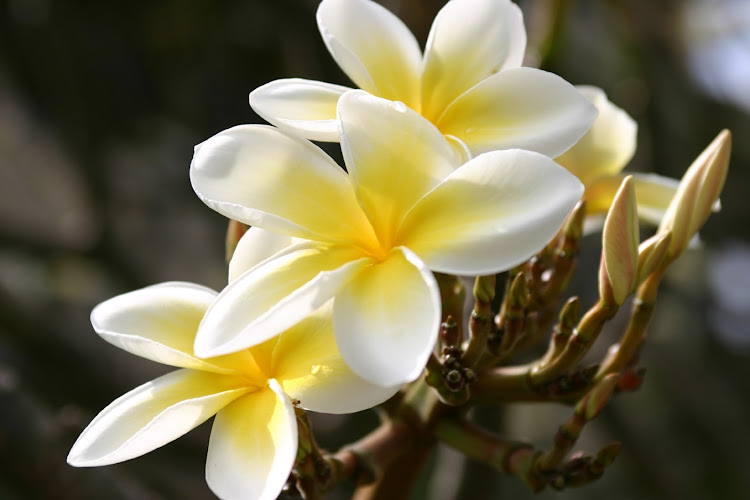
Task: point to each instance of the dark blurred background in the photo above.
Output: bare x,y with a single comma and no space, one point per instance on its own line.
101,104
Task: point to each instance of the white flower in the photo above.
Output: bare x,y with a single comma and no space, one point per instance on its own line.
469,83
599,157
370,238
254,437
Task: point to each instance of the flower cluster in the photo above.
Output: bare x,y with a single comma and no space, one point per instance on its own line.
458,162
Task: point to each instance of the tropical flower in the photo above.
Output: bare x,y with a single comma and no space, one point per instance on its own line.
371,238
253,442
469,83
599,157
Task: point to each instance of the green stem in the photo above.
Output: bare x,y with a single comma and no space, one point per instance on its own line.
512,318
480,324
580,342
562,331
587,409
511,457
635,332
505,384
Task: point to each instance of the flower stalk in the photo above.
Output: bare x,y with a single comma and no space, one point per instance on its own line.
481,325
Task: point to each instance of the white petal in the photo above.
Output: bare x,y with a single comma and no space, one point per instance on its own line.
522,108
460,147
309,367
159,323
255,246
608,145
470,40
253,446
394,156
152,415
493,213
386,320
653,195
260,176
303,107
274,296
373,47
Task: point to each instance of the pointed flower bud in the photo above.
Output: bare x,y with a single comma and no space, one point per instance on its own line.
607,455
519,291
620,246
697,194
484,289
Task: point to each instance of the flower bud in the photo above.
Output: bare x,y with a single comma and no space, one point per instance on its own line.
651,254
607,455
519,292
697,194
618,271
484,289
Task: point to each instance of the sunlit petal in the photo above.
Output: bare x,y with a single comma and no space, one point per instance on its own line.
303,107
394,156
274,296
159,322
260,176
373,47
460,147
608,145
253,446
386,320
492,213
255,246
469,41
309,367
653,194
152,415
520,108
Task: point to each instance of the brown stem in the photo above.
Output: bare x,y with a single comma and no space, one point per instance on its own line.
401,468
397,480
452,296
565,256
366,459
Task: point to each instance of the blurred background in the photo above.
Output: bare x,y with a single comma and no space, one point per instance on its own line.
101,104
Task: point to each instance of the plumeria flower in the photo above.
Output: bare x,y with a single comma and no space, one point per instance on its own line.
371,238
253,441
599,157
469,83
